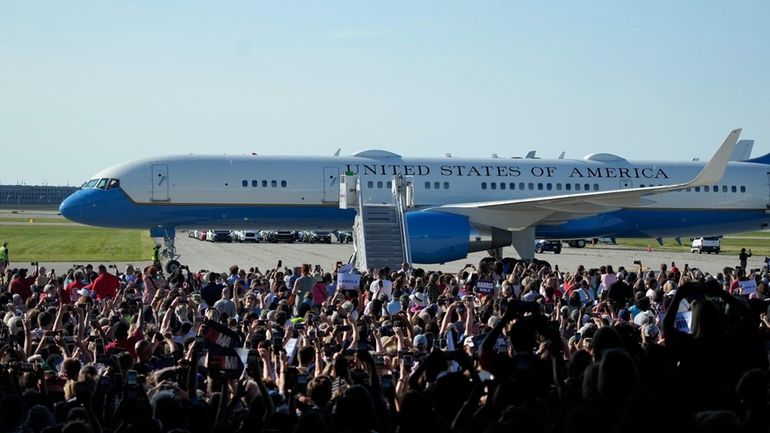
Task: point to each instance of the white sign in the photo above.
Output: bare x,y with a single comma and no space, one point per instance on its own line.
683,321
748,287
348,281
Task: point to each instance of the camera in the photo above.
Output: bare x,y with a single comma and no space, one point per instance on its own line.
299,326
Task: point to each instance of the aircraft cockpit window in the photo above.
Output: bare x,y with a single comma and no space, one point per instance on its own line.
91,183
113,183
102,184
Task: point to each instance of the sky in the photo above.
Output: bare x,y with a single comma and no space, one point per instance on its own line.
88,84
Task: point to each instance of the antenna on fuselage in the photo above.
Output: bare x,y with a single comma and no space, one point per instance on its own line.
562,155
448,155
337,153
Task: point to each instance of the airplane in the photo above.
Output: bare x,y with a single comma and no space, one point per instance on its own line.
462,205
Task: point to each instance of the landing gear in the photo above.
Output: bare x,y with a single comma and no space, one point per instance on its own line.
167,253
496,253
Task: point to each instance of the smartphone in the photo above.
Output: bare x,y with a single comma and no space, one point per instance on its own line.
131,378
548,308
252,360
99,342
280,263
27,366
379,360
577,336
387,382
299,326
200,341
277,344
408,360
345,328
302,381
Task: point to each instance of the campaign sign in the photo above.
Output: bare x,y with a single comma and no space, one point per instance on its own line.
748,287
222,344
348,281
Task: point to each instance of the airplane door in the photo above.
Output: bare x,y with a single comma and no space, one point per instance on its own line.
626,184
160,182
331,184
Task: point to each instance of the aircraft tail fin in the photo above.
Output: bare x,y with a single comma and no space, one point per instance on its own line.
742,150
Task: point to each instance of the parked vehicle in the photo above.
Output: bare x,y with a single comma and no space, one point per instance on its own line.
708,245
319,236
246,236
274,236
546,245
344,237
219,236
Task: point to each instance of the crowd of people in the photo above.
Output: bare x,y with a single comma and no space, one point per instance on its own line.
497,346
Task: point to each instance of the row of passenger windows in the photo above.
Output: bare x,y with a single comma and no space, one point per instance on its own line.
540,186
265,183
716,188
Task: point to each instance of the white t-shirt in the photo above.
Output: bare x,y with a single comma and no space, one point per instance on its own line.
387,288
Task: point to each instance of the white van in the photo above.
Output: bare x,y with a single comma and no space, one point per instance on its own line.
706,245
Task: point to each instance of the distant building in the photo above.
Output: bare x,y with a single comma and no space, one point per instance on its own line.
35,195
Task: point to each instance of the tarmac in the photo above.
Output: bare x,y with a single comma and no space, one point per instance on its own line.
220,256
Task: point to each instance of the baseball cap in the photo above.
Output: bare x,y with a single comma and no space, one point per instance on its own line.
420,340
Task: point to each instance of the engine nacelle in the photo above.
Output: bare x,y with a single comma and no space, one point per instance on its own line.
438,237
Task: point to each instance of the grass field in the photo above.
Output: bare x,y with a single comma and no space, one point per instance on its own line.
28,243
758,242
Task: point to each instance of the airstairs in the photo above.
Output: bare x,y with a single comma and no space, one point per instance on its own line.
380,233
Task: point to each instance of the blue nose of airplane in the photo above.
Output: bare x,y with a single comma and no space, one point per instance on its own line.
72,207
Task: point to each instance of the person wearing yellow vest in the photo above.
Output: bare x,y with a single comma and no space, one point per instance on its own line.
4,256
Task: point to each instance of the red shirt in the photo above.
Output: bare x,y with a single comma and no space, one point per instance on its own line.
127,344
73,288
105,286
22,286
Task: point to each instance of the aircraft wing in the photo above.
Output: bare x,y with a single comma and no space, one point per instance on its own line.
516,215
